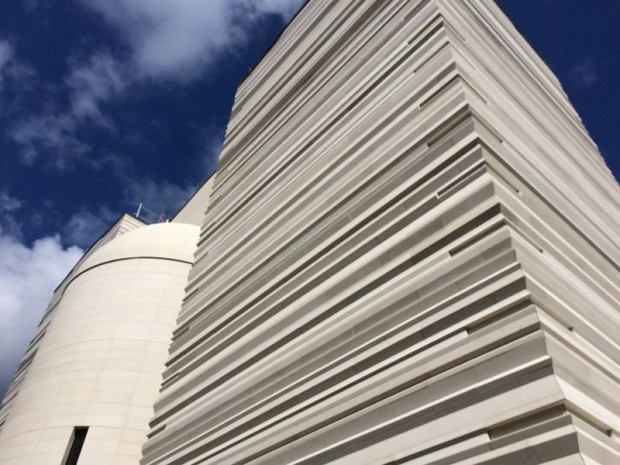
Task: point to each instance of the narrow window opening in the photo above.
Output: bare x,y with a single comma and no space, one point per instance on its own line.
75,446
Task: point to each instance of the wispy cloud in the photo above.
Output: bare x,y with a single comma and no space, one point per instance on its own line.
9,226
8,203
89,84
6,52
16,71
98,80
172,41
52,133
86,226
179,40
584,73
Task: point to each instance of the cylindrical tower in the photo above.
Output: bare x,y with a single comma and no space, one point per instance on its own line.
90,387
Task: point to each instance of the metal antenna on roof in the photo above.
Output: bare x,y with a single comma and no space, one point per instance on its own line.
150,217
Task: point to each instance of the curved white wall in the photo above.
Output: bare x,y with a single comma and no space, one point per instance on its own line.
100,362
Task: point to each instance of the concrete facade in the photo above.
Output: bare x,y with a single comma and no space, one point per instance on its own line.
97,357
410,256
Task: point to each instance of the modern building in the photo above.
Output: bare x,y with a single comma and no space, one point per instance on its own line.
409,256
87,383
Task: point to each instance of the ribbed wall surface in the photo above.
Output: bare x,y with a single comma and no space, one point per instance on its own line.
410,256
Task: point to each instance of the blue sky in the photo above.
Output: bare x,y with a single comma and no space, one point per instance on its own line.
108,103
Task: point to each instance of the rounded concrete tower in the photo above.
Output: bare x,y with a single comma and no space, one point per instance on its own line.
88,392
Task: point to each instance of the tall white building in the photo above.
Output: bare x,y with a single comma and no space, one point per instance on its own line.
409,256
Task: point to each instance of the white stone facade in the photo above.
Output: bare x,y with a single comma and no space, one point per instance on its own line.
411,256
408,255
101,352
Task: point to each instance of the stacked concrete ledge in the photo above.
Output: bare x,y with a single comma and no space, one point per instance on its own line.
410,256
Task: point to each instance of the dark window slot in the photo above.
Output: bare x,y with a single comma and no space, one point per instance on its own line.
77,442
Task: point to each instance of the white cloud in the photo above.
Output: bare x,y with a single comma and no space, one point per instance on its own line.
179,39
28,276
